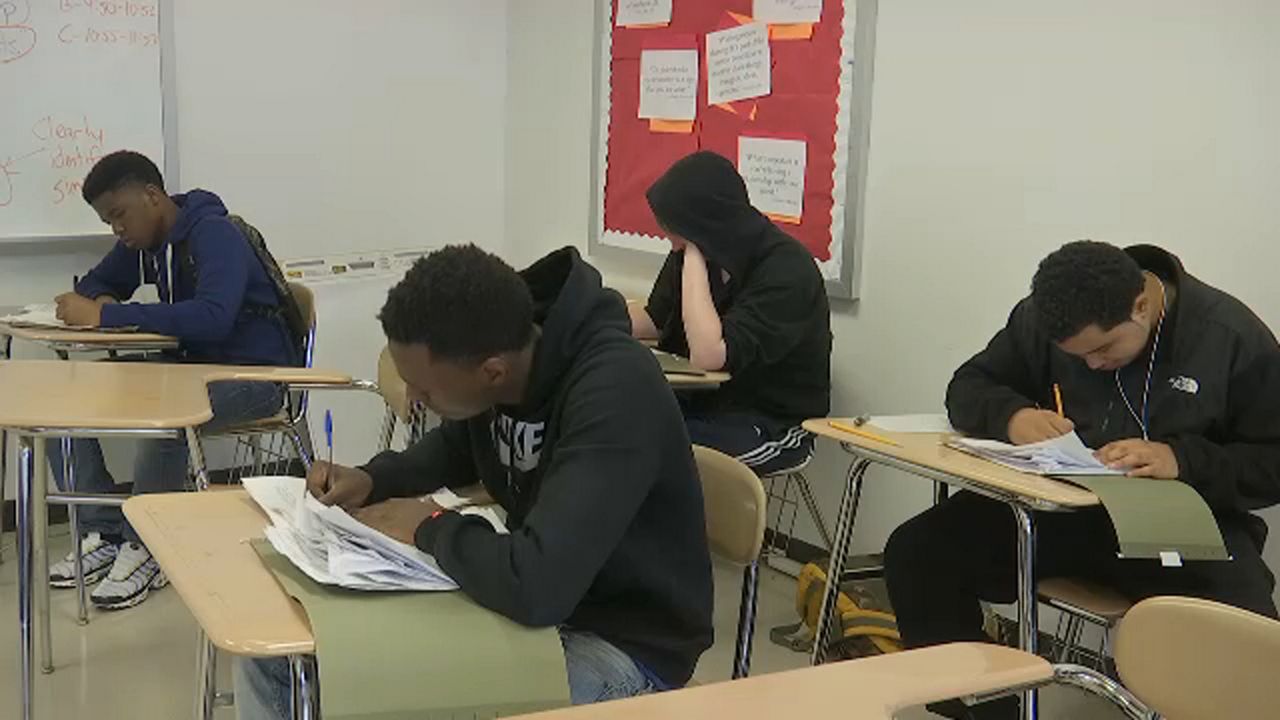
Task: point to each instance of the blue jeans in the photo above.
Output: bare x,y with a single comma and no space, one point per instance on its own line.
161,465
597,671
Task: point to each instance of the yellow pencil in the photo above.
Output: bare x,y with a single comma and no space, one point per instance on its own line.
846,427
1057,396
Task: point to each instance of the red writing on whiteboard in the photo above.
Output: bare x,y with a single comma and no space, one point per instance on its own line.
17,39
110,8
72,34
9,170
47,129
66,188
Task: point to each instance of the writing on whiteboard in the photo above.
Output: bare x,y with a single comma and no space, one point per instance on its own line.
66,146
17,38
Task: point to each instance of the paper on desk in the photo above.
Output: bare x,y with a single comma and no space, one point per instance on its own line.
333,548
934,423
45,317
1065,455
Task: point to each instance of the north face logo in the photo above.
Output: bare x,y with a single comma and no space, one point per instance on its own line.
1188,385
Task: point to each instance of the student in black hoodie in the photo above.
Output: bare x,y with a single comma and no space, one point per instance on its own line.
1170,378
571,427
738,294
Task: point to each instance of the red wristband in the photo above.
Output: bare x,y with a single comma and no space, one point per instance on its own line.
435,514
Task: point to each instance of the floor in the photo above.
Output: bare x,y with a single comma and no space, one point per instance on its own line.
139,664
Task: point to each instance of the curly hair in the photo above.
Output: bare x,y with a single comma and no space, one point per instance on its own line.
463,303
118,169
1085,283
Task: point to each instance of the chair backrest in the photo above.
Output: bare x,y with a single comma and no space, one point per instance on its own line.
735,506
1192,659
307,305
391,386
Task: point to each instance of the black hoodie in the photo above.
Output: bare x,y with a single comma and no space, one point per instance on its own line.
773,309
1215,391
597,477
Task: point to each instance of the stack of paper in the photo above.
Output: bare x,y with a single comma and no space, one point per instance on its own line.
38,316
1065,455
333,548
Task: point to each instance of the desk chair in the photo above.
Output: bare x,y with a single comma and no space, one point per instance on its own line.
395,394
1080,602
735,507
1191,659
290,422
784,507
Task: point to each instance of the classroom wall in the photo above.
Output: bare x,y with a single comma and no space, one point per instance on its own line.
1000,129
332,126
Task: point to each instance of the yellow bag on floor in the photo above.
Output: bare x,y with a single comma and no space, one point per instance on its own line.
863,630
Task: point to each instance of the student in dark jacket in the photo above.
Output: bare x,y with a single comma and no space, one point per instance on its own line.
222,315
738,294
1170,378
570,426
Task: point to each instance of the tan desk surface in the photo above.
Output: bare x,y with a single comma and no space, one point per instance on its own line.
706,380
926,450
86,337
863,689
57,394
201,542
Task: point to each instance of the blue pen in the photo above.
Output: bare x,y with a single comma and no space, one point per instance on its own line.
328,438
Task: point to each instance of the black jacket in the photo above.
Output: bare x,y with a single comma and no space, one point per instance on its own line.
597,476
1215,391
773,310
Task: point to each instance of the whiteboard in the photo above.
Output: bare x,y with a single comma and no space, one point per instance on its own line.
78,79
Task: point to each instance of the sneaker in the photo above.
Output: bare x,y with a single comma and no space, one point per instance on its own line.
96,557
133,576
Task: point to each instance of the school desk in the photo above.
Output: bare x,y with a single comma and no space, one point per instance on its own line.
925,455
55,399
868,689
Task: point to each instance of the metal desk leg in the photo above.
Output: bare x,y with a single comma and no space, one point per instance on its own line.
940,492
196,452
77,546
1028,610
306,687
844,533
206,676
26,509
4,473
40,552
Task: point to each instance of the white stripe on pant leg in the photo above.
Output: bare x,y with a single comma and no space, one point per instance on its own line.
771,449
791,440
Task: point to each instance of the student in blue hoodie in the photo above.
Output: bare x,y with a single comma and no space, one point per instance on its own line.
224,314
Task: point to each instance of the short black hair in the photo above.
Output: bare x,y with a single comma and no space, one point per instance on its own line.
118,169
463,303
1085,283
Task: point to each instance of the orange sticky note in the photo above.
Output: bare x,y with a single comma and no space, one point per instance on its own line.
791,31
742,19
683,127
788,219
726,107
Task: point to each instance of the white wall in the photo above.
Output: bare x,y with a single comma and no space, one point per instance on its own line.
1000,129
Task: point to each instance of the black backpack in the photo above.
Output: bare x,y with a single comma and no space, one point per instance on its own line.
286,310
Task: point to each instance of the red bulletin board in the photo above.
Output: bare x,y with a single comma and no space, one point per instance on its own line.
804,103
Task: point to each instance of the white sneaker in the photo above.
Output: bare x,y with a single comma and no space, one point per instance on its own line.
96,557
133,576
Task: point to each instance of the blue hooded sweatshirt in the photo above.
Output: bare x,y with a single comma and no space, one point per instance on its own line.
216,318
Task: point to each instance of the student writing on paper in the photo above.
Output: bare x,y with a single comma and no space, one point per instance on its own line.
1172,379
738,294
570,425
224,314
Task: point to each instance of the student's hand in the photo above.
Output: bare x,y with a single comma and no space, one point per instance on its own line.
1031,425
76,309
1140,458
398,518
106,300
345,487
